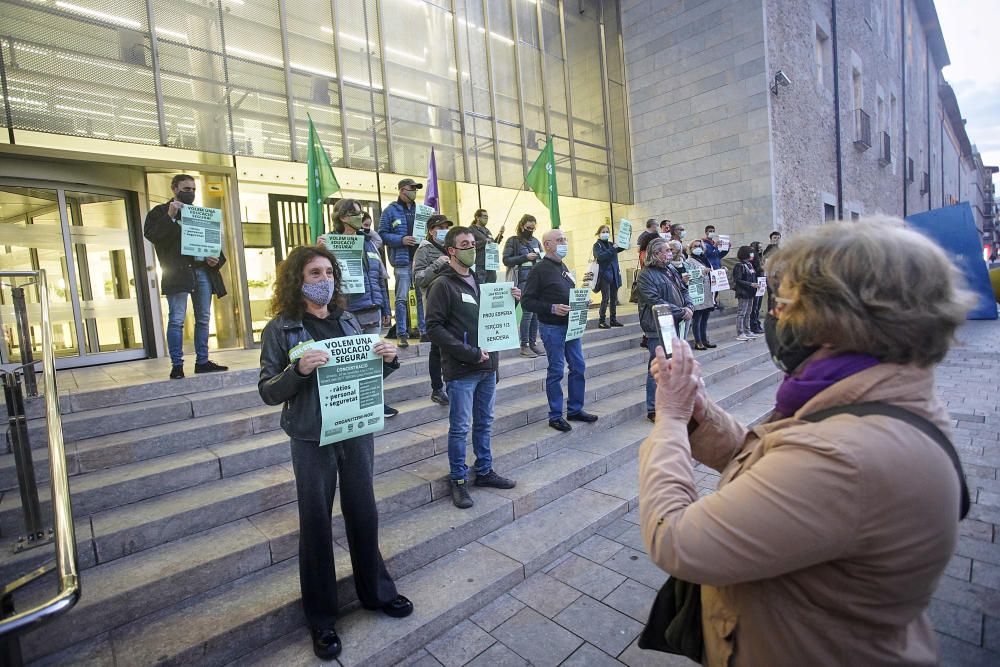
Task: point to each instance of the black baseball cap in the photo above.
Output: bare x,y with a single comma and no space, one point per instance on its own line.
408,182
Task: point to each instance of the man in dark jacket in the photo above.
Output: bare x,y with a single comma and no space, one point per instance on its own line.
396,229
470,371
646,237
184,275
546,293
483,238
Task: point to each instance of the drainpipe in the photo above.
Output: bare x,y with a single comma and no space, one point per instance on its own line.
902,61
930,154
836,108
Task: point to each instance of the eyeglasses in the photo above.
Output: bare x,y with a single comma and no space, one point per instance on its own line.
465,245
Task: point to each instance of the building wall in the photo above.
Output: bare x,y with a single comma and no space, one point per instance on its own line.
698,109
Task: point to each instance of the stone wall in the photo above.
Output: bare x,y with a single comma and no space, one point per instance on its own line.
698,109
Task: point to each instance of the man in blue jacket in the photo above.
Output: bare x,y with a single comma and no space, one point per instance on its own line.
396,229
713,255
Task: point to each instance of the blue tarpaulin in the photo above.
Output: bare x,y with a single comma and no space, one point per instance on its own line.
954,229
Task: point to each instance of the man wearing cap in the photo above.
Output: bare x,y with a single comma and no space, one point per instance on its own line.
428,261
396,229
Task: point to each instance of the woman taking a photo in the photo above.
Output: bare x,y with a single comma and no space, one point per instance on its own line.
699,323
609,276
307,307
828,532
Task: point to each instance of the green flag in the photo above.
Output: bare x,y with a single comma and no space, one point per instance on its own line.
542,180
322,183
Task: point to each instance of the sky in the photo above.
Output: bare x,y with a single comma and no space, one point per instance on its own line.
970,32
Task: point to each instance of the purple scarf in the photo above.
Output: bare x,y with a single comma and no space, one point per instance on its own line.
796,391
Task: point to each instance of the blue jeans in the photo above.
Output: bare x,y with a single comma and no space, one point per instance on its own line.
700,325
529,328
560,352
471,399
650,382
177,311
404,279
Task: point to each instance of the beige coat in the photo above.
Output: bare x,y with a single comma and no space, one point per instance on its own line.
824,541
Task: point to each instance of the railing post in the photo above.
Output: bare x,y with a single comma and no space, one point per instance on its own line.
26,482
24,339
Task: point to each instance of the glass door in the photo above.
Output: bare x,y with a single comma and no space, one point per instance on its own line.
83,241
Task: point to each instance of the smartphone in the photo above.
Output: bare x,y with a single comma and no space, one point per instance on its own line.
665,325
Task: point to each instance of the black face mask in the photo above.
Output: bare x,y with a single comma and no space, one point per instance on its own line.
185,197
787,352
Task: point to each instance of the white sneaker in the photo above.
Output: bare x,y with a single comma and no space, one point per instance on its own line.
743,337
755,335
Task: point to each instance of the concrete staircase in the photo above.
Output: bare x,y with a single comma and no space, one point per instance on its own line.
186,518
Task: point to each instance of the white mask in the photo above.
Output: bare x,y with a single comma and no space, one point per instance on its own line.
698,251
605,236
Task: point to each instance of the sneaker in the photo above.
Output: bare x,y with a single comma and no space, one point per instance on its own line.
496,481
743,337
403,342
439,396
651,416
177,371
424,338
603,325
460,494
389,412
616,323
539,352
527,352
209,367
754,334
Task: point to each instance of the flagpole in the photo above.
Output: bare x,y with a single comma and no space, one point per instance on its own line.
513,201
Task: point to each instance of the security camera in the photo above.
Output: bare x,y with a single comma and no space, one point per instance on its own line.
781,78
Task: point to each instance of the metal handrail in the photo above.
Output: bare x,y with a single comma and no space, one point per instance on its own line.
63,529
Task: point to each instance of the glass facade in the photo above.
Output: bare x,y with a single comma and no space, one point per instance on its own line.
483,82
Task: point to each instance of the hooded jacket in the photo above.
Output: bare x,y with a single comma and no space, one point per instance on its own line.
376,294
395,223
824,541
425,263
451,311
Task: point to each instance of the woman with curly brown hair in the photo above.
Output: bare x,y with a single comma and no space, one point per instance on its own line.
307,306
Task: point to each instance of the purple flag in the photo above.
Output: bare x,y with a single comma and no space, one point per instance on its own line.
431,193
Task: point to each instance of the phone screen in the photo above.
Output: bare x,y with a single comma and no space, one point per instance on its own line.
665,323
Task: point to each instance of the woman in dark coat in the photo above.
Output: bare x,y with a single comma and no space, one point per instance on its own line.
609,276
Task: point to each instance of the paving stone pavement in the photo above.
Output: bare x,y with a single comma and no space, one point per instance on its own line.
587,607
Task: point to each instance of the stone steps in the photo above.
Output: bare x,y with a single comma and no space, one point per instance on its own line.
250,561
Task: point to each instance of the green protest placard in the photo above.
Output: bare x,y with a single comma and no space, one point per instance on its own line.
578,298
497,318
420,217
492,257
349,250
350,387
624,238
696,288
201,231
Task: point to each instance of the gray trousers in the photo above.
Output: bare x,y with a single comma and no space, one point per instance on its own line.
743,316
316,472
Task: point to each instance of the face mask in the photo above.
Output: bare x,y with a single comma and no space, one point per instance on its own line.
355,221
440,234
775,241
605,236
562,250
528,231
711,235
466,257
366,231
787,352
319,293
185,197
411,195
751,256
698,251
682,234
678,263
664,235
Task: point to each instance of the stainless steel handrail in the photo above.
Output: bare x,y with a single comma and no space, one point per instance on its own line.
63,529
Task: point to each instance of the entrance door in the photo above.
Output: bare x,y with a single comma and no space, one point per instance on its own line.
83,241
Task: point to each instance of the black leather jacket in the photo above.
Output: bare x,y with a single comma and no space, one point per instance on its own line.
280,381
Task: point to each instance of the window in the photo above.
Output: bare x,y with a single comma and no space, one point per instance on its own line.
822,57
829,212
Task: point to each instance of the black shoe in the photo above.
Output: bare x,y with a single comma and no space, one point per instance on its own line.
424,338
759,332
403,342
398,607
389,412
439,397
651,416
709,345
460,494
603,325
326,644
582,416
494,480
209,367
616,323
177,371
700,346
560,425
644,343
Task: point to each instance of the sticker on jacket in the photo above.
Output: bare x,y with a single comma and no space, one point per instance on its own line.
296,352
396,223
468,298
